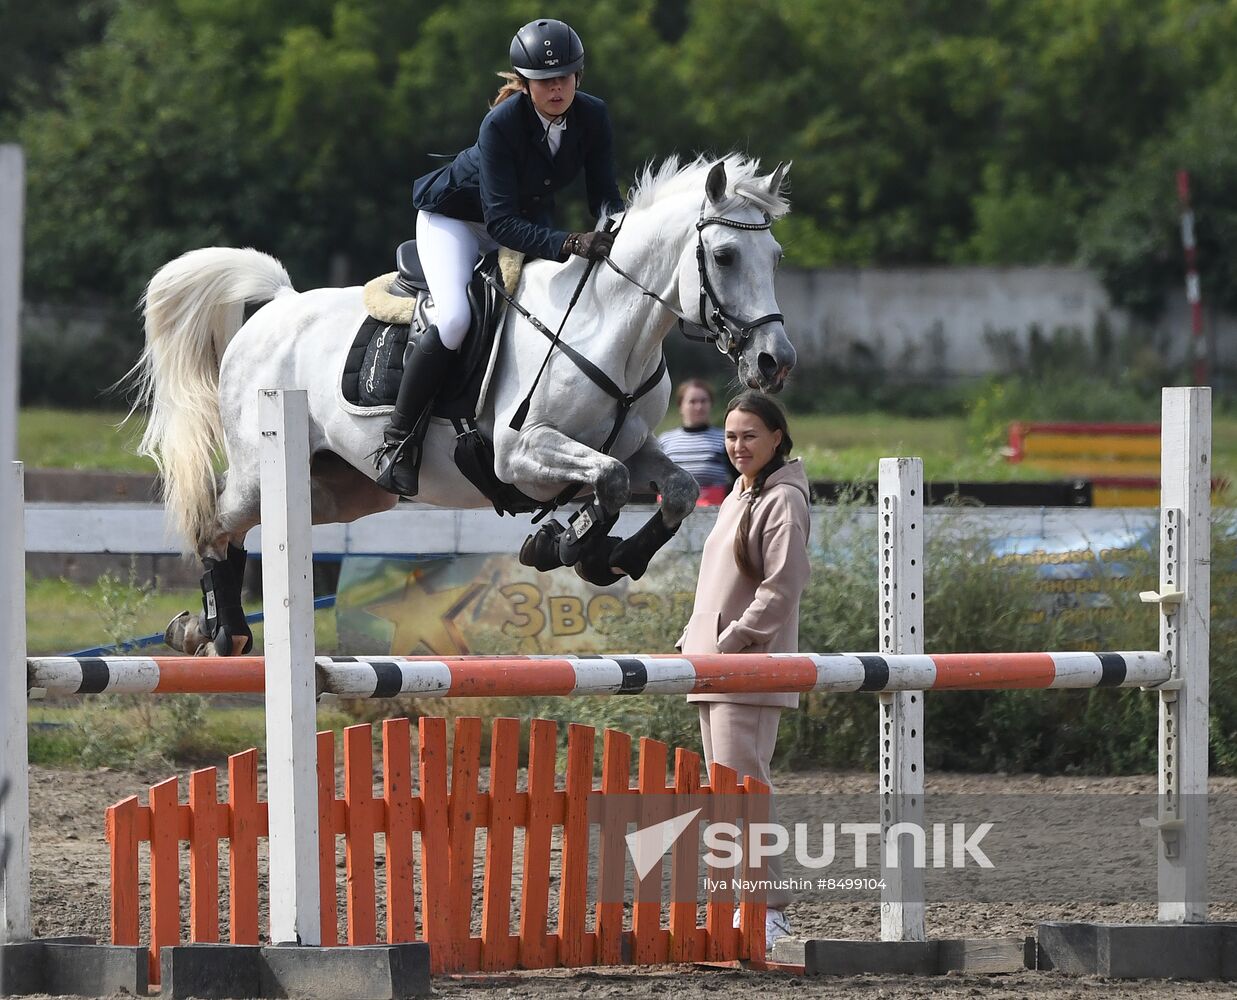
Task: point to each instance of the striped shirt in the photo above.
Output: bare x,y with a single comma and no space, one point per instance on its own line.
701,451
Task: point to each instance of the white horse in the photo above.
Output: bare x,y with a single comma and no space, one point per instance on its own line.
693,243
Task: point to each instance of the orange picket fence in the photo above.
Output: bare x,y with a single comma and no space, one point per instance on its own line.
429,894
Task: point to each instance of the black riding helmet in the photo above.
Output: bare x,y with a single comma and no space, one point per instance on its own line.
546,48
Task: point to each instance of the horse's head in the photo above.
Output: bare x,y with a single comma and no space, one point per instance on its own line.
725,277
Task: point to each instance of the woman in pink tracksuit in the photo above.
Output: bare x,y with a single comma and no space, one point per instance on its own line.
752,574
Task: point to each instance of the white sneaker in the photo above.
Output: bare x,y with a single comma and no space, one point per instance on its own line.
776,927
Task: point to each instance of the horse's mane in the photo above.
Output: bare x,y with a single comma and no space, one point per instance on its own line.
744,185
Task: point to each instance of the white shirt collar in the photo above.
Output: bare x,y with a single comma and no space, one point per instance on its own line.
553,131
561,124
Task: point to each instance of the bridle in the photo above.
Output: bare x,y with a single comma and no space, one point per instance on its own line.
727,332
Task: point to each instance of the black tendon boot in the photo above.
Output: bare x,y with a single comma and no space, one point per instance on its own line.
399,458
223,617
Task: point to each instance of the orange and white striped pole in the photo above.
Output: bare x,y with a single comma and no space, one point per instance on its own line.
625,674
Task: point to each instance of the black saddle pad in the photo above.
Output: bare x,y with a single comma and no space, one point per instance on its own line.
375,362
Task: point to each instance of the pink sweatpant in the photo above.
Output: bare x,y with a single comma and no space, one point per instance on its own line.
743,737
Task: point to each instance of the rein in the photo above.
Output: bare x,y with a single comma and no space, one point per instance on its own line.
599,378
607,385
728,334
625,400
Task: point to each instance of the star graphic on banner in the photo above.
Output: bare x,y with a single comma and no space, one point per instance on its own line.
424,619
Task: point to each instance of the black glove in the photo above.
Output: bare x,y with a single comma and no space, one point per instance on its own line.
594,245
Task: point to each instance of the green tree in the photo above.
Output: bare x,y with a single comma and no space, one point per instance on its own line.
922,131
1133,236
35,42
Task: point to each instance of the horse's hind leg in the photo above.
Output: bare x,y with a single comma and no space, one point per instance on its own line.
338,493
221,628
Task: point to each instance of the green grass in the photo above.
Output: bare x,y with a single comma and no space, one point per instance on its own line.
132,730
142,732
834,446
80,439
62,617
848,446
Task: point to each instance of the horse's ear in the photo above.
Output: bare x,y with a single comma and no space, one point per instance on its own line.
715,186
778,178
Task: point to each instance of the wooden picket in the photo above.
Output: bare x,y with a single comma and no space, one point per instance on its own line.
446,811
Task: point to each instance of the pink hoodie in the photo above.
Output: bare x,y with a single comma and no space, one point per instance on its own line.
736,614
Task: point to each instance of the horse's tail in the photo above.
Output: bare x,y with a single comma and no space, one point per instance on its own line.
193,308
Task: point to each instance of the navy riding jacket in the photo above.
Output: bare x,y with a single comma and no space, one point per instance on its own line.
508,179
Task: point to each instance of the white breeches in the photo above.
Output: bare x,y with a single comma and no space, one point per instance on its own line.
448,249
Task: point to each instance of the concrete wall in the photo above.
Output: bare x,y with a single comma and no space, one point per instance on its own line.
959,322
929,323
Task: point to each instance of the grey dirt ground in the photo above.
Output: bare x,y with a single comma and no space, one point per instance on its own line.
71,878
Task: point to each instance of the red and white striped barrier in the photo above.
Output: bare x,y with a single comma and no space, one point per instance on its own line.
516,676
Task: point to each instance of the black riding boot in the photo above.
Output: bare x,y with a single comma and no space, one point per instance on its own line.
399,457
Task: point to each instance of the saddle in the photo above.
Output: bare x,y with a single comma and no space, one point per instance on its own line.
396,304
397,307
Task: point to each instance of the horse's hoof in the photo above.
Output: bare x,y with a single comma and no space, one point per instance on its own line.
227,644
230,645
632,555
540,549
595,564
630,558
603,577
184,634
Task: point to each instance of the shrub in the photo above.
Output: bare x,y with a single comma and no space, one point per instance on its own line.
973,602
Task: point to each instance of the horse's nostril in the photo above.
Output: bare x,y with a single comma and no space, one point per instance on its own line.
767,364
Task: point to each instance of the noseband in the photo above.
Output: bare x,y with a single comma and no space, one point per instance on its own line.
722,329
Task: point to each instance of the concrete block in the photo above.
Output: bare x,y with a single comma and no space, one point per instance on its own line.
1228,951
915,958
1139,951
71,965
21,968
371,972
87,969
789,951
1160,951
211,971
855,958
1072,948
985,955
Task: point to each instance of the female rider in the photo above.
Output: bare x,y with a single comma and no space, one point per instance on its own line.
540,133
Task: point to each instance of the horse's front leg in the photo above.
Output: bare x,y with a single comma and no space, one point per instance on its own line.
542,460
679,492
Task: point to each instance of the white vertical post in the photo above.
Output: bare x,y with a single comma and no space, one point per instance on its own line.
14,750
1185,629
900,617
288,606
14,760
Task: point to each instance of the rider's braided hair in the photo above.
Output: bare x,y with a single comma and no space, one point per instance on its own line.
771,415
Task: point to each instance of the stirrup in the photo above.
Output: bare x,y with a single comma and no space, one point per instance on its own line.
401,473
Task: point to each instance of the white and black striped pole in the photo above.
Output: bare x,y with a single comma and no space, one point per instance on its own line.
1193,291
